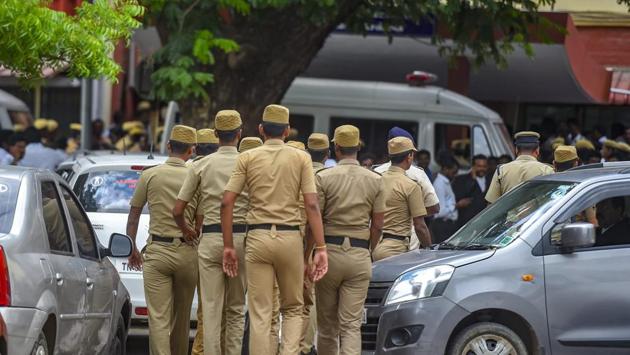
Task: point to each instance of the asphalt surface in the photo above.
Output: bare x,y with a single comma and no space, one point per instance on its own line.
138,341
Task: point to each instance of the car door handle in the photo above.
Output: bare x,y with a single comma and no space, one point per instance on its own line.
59,278
90,283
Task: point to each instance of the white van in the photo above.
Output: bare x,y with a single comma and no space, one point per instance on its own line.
13,111
438,118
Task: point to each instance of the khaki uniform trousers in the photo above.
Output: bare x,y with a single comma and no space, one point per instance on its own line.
221,296
340,298
274,254
170,277
309,320
390,247
197,348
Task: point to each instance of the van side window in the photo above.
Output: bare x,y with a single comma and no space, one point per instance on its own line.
56,224
303,124
455,139
480,142
611,217
86,240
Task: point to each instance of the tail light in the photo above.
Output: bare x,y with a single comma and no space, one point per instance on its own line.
5,285
142,311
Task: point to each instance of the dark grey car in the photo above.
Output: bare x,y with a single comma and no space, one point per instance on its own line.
531,274
59,294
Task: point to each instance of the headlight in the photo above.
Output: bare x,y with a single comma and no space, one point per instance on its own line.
420,283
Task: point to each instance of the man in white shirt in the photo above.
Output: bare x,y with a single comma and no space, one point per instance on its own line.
444,223
37,155
431,200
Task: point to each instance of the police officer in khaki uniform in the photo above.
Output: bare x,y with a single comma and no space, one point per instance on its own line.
207,143
403,203
275,175
525,167
318,147
170,257
351,198
564,158
220,295
248,143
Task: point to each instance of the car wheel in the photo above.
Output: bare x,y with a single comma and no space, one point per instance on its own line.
119,344
487,339
41,345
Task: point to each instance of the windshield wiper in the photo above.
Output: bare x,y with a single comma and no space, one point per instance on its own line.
446,246
476,246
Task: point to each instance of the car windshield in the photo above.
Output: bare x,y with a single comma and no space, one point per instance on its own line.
502,222
9,189
107,191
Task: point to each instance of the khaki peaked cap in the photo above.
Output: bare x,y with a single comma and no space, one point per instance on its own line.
624,147
611,144
40,124
248,143
127,126
347,136
276,114
207,136
318,141
400,145
526,137
52,125
227,120
297,145
565,153
184,134
584,144
75,126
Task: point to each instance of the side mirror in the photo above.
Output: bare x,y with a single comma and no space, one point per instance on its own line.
120,246
577,235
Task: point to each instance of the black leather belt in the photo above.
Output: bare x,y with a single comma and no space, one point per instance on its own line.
393,236
216,228
157,238
356,243
279,227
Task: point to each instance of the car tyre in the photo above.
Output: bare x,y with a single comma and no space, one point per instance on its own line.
487,338
41,345
119,343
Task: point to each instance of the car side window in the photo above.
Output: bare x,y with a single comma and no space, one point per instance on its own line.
84,234
611,218
56,225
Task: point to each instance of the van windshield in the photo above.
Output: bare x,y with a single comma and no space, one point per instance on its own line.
502,222
9,189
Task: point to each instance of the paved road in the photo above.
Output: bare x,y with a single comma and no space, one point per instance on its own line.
138,341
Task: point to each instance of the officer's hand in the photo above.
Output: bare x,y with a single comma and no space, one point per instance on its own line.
320,265
463,203
135,260
191,236
230,262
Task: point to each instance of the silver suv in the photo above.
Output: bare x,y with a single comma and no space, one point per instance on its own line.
59,294
528,275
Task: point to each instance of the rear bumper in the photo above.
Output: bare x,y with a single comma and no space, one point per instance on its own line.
135,285
22,328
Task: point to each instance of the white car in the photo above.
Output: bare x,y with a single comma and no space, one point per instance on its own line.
104,184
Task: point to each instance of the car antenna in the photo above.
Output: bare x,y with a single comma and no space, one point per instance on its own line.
150,157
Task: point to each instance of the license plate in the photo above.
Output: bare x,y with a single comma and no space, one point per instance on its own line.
364,319
122,265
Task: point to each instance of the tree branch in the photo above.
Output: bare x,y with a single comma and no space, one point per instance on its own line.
185,13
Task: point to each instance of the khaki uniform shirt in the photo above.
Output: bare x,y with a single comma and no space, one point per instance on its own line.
348,195
509,175
316,167
417,174
403,201
275,175
208,177
159,187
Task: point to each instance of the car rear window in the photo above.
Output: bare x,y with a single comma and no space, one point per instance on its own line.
9,189
107,191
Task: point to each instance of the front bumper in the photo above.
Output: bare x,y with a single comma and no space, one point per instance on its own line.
23,327
416,327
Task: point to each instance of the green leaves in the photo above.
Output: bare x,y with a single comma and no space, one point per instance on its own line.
33,37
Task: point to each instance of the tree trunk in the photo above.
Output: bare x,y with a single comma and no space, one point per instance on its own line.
276,46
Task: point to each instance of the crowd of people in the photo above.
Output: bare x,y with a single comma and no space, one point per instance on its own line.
314,213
